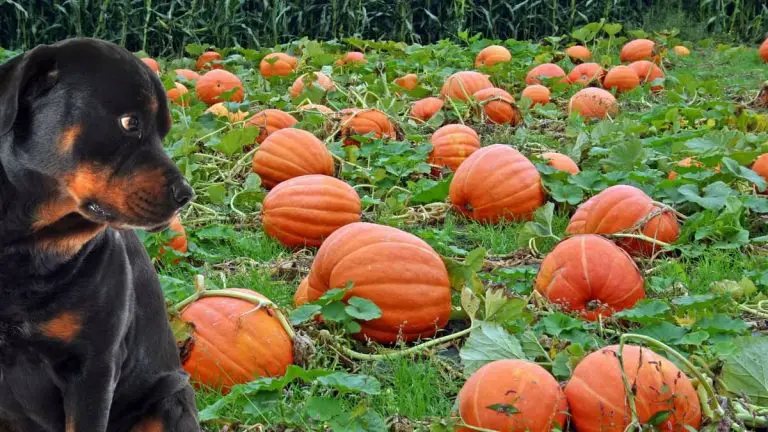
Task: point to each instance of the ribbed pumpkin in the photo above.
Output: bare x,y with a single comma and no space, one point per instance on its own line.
763,51
187,74
352,57
234,342
761,167
425,109
269,121
561,162
408,82
322,109
544,71
593,102
178,95
206,61
462,85
598,400
211,85
622,78
638,49
681,51
496,183
152,64
499,106
536,402
319,79
648,72
305,210
590,275
586,73
290,153
396,270
362,122
578,52
278,64
492,55
618,209
220,110
537,93
452,144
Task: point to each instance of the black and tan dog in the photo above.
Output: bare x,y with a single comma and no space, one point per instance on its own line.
85,345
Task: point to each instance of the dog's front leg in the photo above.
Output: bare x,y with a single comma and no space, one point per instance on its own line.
88,397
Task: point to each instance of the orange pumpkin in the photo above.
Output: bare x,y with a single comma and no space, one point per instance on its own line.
234,341
590,275
206,61
761,167
495,183
681,51
536,402
269,121
322,109
499,106
452,144
178,95
278,64
415,300
179,241
216,82
352,57
187,74
619,209
318,79
687,162
425,109
544,71
763,50
301,296
598,399
362,122
152,64
622,78
638,49
586,73
462,85
408,82
561,162
593,102
578,53
537,93
492,55
305,210
648,72
289,153
220,110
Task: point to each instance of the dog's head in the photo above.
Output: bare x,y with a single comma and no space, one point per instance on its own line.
89,117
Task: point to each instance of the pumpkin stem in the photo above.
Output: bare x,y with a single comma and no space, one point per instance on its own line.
669,209
401,353
640,237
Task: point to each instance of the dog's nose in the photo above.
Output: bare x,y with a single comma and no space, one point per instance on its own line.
182,193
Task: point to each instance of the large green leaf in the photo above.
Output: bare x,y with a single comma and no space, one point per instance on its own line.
746,371
489,342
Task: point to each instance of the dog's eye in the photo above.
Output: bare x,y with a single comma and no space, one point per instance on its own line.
130,123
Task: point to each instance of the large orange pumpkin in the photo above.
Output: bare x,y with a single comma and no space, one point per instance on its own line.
425,109
187,74
492,55
396,270
452,144
234,341
152,64
269,121
318,79
763,50
761,167
499,106
618,209
290,153
561,162
681,51
305,210
586,73
211,85
278,64
362,122
593,102
352,57
648,72
206,60
622,78
598,399
408,82
537,93
578,53
512,396
462,85
638,49
220,110
495,183
544,71
590,275
178,95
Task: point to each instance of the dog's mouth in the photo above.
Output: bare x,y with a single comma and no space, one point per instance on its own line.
101,213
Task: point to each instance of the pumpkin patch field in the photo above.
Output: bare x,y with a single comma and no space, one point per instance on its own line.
474,235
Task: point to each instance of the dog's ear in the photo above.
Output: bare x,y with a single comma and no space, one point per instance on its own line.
25,76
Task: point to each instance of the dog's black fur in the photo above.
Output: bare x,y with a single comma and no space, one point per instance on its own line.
85,344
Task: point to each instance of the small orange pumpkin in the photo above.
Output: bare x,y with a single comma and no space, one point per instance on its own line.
590,275
593,102
534,399
621,78
289,153
761,168
687,162
178,95
269,121
462,85
452,144
318,79
561,162
206,60
544,71
496,183
152,64
598,399
586,73
648,72
763,50
179,241
537,93
305,210
638,49
220,110
681,51
425,109
499,106
408,82
492,55
278,64
578,53
362,122
187,74
216,82
352,57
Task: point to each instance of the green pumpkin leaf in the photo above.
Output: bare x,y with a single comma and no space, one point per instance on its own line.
745,372
304,313
351,383
486,343
362,309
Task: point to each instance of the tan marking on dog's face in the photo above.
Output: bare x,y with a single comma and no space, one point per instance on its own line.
92,183
64,327
149,425
51,211
68,137
71,243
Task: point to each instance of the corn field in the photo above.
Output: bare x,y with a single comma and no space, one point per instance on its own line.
164,27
